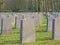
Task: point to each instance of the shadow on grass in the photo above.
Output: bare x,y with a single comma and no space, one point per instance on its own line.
16,32
12,42
40,31
42,39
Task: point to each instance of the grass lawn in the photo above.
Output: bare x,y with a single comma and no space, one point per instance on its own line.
42,37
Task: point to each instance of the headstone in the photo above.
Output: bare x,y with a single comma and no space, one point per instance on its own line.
57,29
28,30
36,20
50,18
13,18
18,18
49,24
0,24
55,26
35,17
40,15
7,24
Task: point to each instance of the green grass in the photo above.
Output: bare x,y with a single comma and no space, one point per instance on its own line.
42,37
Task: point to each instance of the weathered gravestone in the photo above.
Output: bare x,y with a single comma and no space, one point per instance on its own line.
55,24
57,28
18,17
49,24
40,16
0,24
36,19
50,18
27,30
13,18
6,23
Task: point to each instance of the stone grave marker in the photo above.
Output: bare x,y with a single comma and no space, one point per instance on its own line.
18,17
36,20
50,18
7,24
57,29
13,18
40,15
35,17
49,24
0,24
55,26
27,34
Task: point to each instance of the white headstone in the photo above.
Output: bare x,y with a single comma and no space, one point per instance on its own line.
7,24
19,17
28,34
49,25
50,19
0,23
57,29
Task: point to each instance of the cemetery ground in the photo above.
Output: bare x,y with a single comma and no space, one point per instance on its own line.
42,37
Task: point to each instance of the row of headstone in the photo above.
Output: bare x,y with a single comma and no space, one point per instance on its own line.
35,16
29,21
17,16
26,22
53,25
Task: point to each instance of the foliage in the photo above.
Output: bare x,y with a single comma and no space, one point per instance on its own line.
29,5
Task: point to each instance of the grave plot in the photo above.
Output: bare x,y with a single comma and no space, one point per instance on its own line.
6,23
27,32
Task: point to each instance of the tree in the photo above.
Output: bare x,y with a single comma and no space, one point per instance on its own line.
1,3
